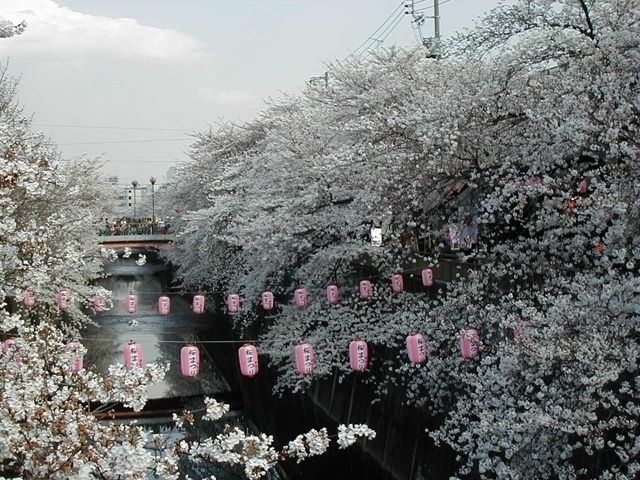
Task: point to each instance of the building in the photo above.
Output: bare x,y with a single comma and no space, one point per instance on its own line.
126,198
124,202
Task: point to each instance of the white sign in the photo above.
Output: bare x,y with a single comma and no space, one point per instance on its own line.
376,237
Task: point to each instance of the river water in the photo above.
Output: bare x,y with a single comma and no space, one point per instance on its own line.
161,338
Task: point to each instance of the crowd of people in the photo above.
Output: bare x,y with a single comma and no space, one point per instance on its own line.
134,226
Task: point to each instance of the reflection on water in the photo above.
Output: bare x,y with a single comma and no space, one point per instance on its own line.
161,336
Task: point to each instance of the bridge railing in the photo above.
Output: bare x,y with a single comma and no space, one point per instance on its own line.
134,230
144,238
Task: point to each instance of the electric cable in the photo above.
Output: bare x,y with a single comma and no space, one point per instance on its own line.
111,127
372,36
128,141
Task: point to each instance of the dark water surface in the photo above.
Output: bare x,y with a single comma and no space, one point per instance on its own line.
161,336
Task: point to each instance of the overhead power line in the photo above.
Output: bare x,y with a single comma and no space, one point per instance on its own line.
418,13
372,39
395,18
138,161
111,127
128,141
390,30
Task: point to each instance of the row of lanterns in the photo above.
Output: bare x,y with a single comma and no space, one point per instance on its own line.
301,297
304,353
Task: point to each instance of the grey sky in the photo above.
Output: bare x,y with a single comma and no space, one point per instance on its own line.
183,65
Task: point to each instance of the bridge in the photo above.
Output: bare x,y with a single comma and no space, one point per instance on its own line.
137,241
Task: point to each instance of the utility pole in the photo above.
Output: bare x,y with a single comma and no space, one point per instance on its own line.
436,21
318,80
431,43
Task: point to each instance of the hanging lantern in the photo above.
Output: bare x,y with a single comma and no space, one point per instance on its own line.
427,277
132,303
7,346
305,358
8,343
333,294
417,348
63,300
267,300
197,305
457,186
98,304
301,297
535,180
248,358
28,298
520,329
133,355
190,360
358,355
233,303
365,289
583,187
74,347
397,283
164,305
469,342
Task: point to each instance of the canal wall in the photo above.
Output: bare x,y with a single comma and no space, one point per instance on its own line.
402,449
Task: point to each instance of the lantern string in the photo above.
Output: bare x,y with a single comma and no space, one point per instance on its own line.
238,298
211,292
195,342
133,335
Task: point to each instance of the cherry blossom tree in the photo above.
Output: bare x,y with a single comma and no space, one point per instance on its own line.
528,123
50,211
8,29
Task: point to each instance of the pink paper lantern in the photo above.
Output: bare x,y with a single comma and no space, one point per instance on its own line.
520,329
365,289
164,305
469,343
397,283
190,360
248,358
583,187
133,355
98,304
427,277
74,347
301,297
28,298
305,358
233,303
63,300
266,299
333,294
132,303
197,305
417,348
358,355
535,180
8,343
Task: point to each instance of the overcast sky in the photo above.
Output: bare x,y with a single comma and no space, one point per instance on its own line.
181,65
